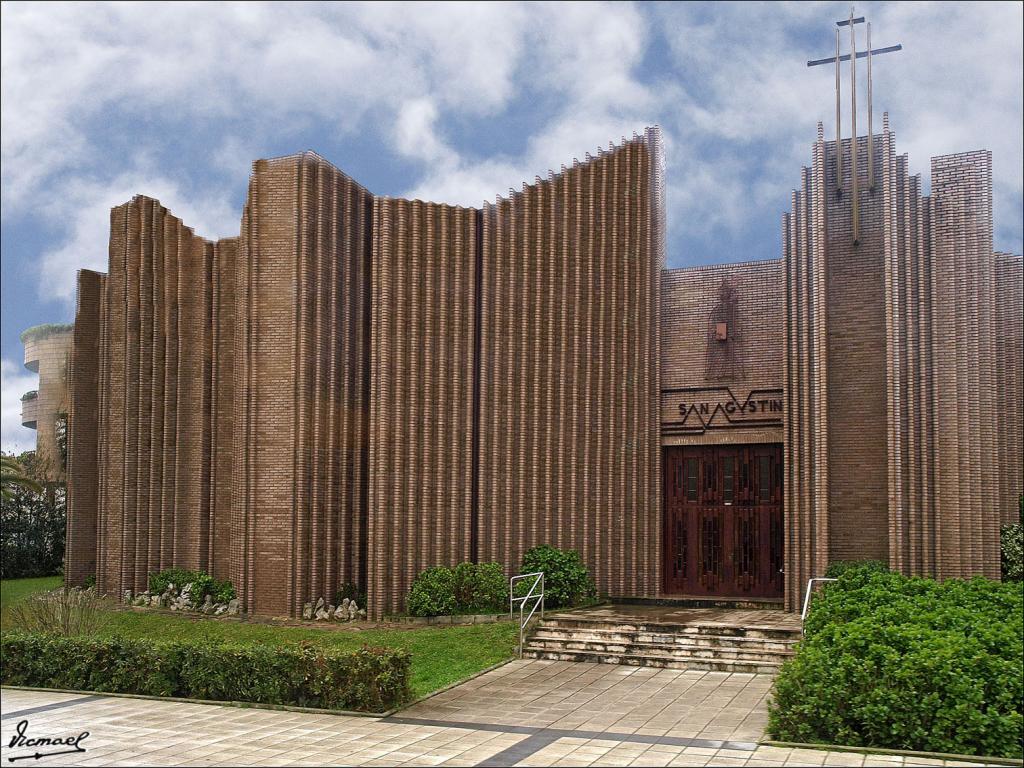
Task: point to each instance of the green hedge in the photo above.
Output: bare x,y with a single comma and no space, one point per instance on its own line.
370,679
907,663
1012,545
466,588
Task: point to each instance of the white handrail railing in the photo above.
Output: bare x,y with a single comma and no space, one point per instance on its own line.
537,597
807,597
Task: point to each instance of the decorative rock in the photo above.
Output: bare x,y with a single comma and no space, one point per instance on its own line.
322,615
155,601
319,604
362,613
232,607
345,603
341,613
222,608
307,611
352,610
127,597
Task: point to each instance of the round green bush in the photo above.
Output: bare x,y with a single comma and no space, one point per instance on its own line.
467,588
907,663
432,593
566,579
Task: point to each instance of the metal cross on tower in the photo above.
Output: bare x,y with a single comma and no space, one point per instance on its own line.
852,57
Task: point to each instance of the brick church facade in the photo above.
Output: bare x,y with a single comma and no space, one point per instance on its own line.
359,387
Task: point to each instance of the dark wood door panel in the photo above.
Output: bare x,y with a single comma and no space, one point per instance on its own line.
723,520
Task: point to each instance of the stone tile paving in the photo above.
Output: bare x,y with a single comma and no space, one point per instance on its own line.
528,713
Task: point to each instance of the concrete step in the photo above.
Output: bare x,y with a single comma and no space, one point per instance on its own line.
616,636
653,660
582,622
731,653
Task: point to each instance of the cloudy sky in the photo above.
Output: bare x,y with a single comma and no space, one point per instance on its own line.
456,103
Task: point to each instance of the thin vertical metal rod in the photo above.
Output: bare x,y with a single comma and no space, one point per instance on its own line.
853,125
871,134
839,118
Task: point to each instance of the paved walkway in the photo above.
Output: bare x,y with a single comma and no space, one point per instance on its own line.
524,713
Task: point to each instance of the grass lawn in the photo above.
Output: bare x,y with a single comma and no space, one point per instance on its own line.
440,655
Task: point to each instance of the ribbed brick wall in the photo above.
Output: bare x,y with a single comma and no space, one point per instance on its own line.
299,477
1009,342
82,470
424,293
899,369
569,448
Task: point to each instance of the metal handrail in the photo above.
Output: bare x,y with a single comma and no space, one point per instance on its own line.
538,599
807,597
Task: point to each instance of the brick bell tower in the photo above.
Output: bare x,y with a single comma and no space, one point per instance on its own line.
895,447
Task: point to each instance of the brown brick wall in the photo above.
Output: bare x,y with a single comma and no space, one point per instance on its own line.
357,388
900,369
82,471
695,368
1009,342
424,293
569,450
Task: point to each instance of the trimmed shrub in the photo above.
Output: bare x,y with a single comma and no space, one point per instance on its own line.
1012,545
480,588
370,679
467,588
432,593
841,567
895,662
203,584
566,579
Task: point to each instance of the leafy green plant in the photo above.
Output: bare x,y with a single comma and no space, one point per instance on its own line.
203,584
896,662
432,593
566,579
33,518
840,567
368,679
1012,552
467,588
480,588
352,592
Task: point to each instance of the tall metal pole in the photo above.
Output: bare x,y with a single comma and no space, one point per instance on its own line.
839,132
871,139
853,125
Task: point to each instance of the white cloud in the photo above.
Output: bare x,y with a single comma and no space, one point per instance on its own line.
726,82
84,207
15,380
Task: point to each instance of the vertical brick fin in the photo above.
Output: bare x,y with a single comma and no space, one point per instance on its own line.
423,295
80,558
224,437
1009,338
169,451
569,299
963,261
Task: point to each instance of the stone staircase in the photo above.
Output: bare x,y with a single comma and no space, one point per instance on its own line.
723,641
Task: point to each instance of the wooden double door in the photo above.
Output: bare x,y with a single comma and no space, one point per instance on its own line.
723,532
